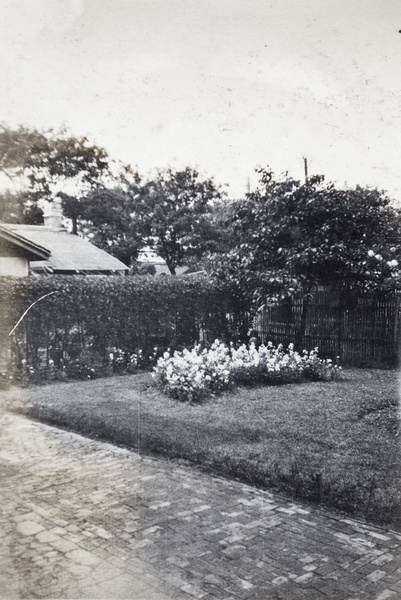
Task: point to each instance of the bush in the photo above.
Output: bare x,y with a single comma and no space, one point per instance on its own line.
194,375
87,326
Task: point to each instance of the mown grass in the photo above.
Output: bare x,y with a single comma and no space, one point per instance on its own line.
334,443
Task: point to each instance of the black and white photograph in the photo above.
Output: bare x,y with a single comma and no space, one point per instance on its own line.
200,299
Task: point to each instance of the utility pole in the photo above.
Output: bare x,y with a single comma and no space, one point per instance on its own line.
306,169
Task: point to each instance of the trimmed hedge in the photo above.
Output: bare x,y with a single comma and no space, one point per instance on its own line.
92,325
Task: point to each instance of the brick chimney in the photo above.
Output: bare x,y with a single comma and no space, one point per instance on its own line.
53,214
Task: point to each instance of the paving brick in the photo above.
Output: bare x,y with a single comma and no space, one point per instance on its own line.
63,545
386,594
376,575
29,528
84,519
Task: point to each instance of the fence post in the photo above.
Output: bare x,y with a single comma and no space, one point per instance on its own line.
396,331
339,324
301,332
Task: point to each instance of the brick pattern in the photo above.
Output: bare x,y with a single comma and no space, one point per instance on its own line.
84,519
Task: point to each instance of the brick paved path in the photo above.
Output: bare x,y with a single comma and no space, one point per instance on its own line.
83,519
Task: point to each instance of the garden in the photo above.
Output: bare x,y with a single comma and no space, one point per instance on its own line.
333,443
195,374
164,365
283,419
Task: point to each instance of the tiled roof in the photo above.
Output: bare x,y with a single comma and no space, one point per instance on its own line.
34,251
67,252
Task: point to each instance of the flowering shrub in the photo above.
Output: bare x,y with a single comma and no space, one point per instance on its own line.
85,366
193,375
25,373
121,362
76,369
273,365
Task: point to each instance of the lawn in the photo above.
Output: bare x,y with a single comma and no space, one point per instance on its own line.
334,443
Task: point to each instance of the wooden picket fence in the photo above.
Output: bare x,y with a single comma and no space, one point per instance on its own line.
362,330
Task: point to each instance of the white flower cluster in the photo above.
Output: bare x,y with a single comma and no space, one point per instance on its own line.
127,362
194,374
391,263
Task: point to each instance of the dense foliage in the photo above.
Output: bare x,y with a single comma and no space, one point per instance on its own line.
42,164
279,241
95,325
171,214
175,209
195,374
109,219
293,236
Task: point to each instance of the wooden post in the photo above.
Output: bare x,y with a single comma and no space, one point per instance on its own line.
396,336
306,169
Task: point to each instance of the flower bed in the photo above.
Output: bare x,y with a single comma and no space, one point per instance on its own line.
192,375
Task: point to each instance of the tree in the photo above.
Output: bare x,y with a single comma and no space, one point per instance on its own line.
174,211
43,164
109,219
293,236
10,207
68,167
222,238
17,149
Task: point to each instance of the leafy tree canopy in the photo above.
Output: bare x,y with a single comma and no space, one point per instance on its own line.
172,214
174,211
43,164
293,236
109,219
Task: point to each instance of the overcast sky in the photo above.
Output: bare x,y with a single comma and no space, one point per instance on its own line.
220,85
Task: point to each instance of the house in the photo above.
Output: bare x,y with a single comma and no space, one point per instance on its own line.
50,249
149,258
47,249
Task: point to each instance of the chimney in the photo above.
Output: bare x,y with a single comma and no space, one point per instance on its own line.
53,214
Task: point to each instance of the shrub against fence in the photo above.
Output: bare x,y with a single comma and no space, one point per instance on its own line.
94,325
361,329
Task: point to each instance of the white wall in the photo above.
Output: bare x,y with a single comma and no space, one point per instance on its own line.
13,266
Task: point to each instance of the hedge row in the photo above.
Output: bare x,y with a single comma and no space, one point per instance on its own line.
87,321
